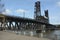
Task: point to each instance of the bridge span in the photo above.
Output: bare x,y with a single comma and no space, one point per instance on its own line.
19,23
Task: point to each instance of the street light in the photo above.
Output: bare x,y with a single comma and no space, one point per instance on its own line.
23,14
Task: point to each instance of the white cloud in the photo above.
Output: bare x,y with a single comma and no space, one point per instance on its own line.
54,20
21,11
58,3
6,11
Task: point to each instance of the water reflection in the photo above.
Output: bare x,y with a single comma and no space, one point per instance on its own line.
54,34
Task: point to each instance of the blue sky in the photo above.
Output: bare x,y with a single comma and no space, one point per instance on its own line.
18,7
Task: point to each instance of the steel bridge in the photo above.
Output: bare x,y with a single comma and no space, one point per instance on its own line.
19,23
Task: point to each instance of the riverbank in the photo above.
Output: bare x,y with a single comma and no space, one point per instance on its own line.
11,36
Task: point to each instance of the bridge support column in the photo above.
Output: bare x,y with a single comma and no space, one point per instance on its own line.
15,26
9,27
1,24
43,30
18,24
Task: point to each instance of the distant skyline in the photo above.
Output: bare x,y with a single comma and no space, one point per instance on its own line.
18,7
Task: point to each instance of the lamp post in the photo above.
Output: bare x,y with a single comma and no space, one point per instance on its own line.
23,14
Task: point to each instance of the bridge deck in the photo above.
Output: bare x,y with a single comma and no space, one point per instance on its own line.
21,19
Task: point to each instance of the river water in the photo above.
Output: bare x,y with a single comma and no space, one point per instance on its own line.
54,35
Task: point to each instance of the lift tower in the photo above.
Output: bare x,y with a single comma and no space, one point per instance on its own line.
37,9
